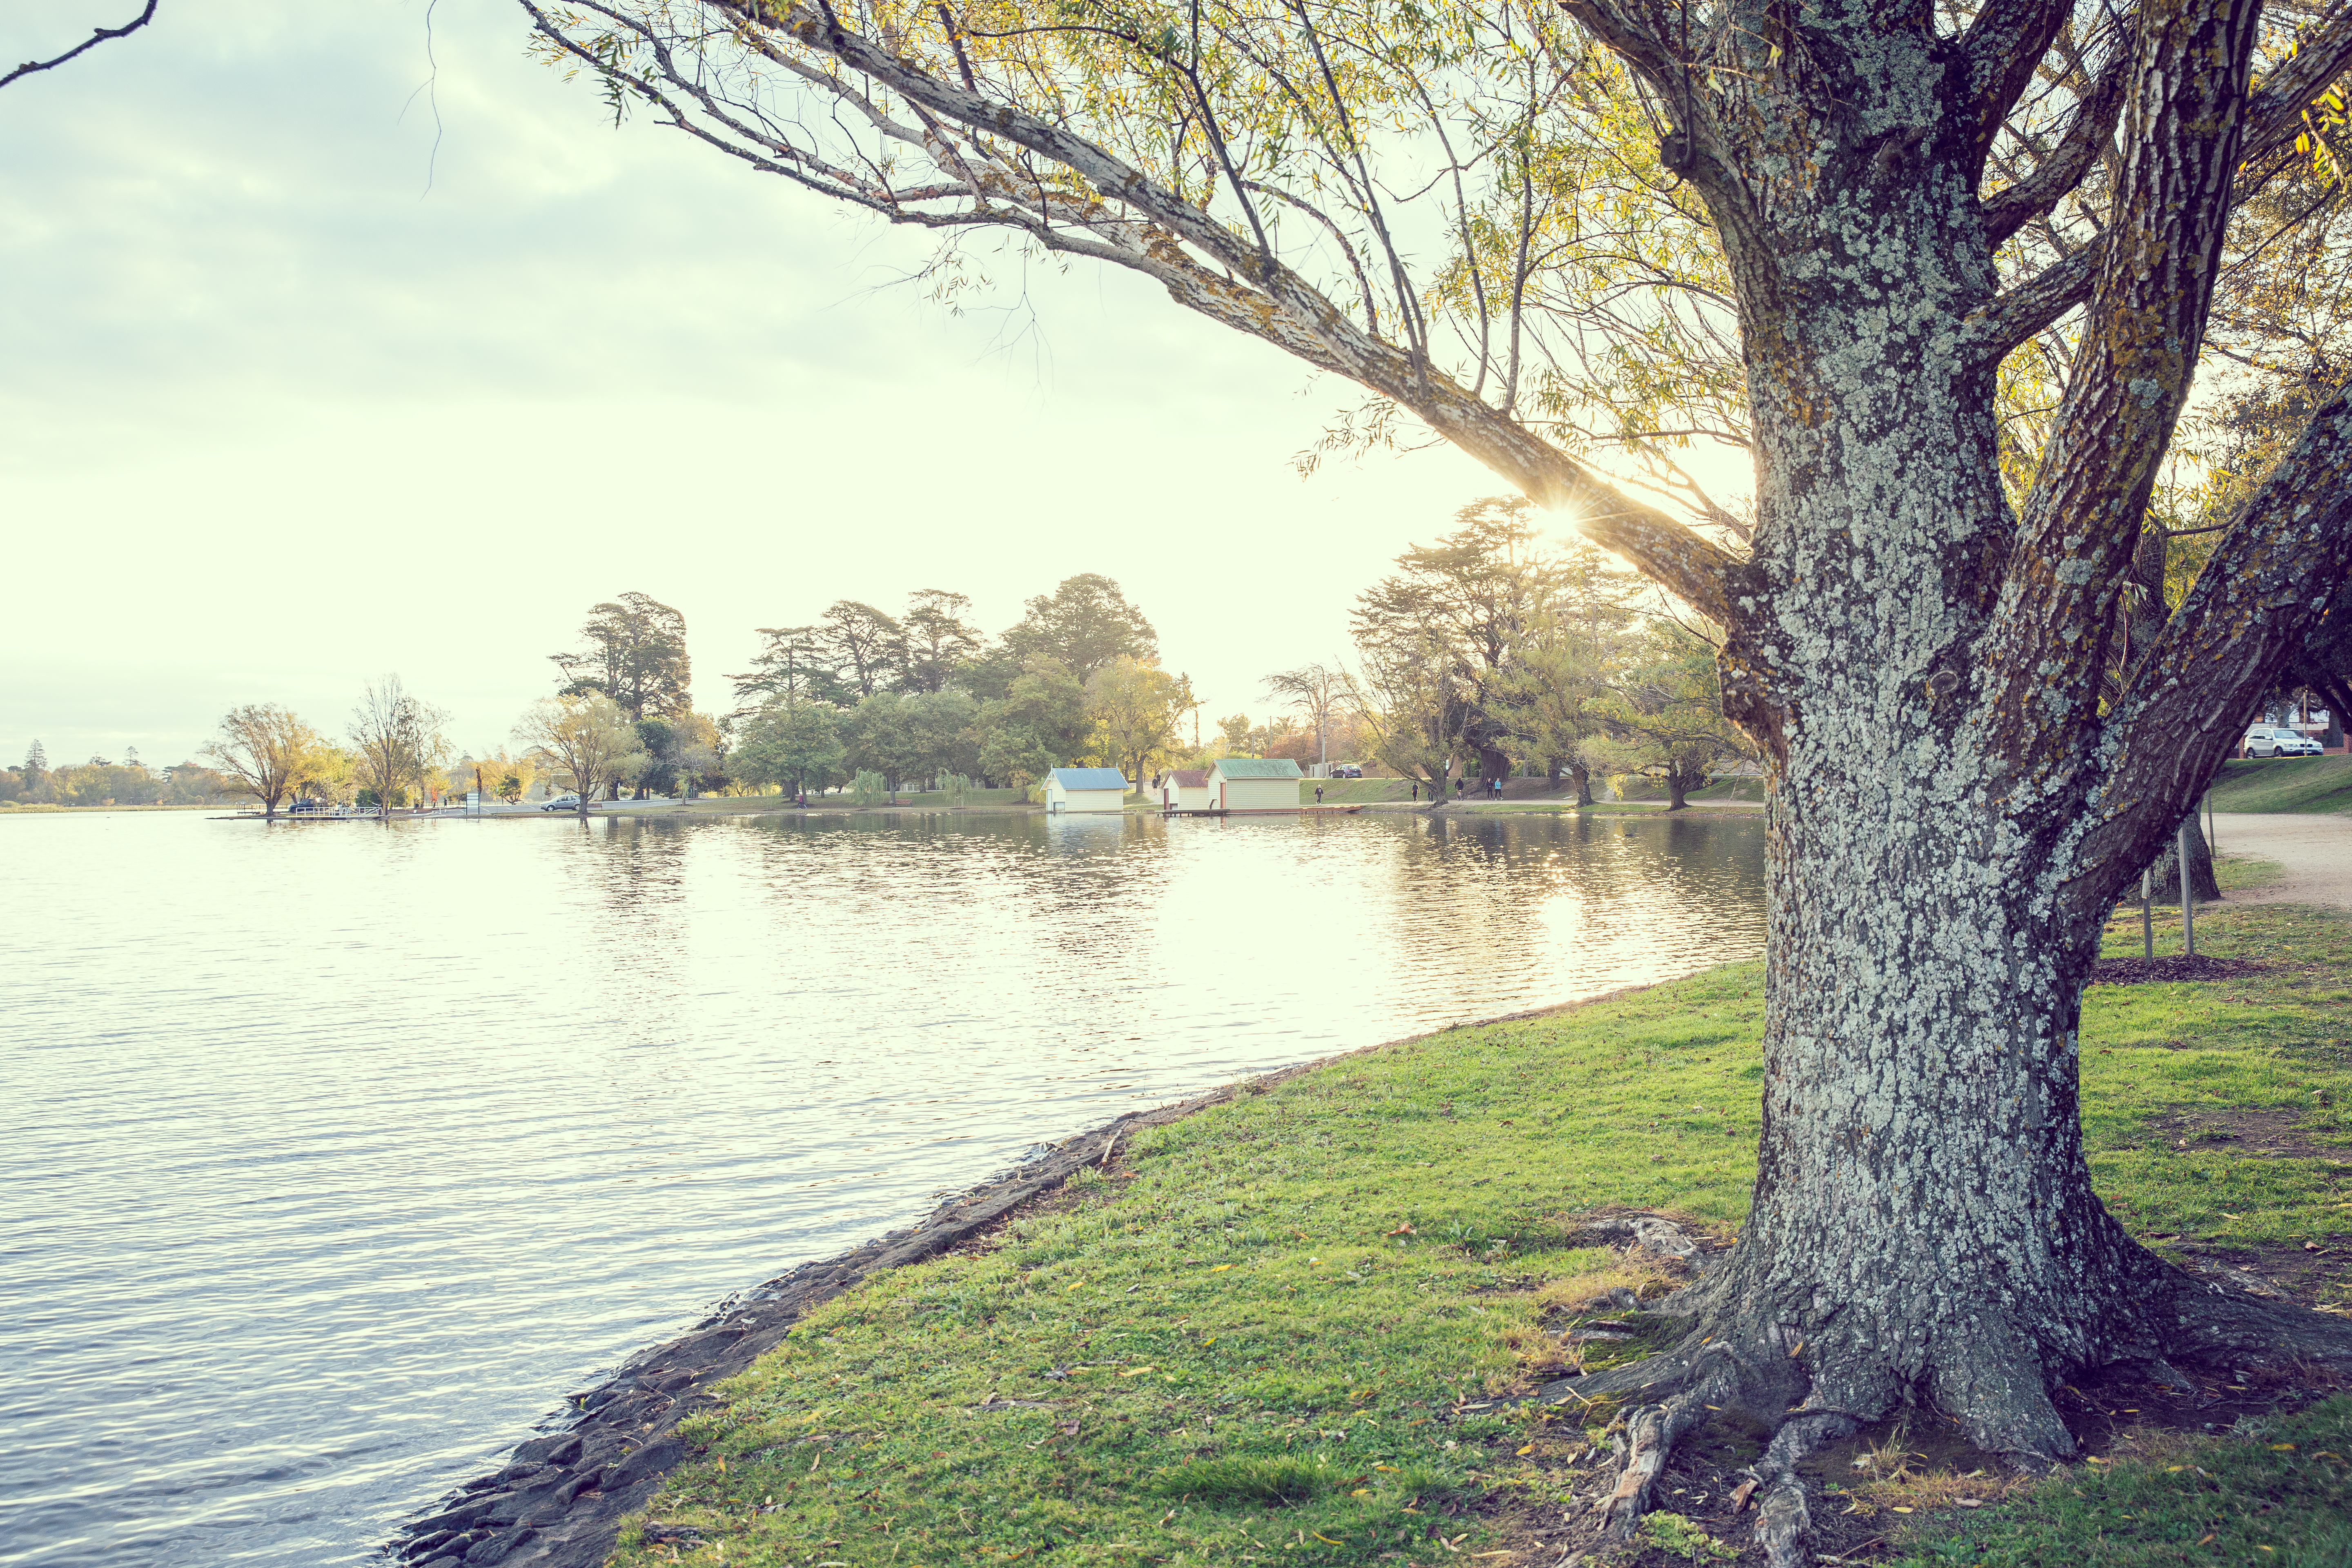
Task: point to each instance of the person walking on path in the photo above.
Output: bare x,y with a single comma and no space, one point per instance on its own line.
1318,795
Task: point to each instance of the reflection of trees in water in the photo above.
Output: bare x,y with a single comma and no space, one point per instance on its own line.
1476,894
1071,879
627,880
639,868
947,897
1466,910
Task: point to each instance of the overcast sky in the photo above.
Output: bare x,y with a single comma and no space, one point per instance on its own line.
315,363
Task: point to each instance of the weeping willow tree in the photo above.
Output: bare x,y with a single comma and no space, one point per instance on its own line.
1945,273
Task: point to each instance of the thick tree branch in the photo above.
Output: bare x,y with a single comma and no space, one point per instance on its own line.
98,36
2076,154
2247,615
2013,318
2002,45
2274,119
2162,254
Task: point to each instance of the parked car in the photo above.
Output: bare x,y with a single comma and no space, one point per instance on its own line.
562,803
1346,770
2278,741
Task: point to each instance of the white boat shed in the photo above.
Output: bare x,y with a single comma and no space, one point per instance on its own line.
1184,789
1085,789
1254,784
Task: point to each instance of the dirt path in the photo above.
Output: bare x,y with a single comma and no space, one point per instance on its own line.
2316,850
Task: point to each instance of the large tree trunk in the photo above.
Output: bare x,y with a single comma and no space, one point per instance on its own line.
1583,777
2164,878
1923,1225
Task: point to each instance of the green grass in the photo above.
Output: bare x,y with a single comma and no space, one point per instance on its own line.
2275,1492
1355,791
2235,874
2284,784
729,805
1257,1323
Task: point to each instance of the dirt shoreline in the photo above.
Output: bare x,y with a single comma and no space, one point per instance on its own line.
560,1500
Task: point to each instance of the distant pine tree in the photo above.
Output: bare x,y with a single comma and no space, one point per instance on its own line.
36,759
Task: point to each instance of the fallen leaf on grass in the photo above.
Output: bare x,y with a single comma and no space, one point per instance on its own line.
1138,1371
1221,1268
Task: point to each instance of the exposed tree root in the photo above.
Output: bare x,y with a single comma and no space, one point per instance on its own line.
1651,1433
1817,1386
1782,1519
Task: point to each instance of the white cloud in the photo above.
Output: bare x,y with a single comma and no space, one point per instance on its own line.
277,418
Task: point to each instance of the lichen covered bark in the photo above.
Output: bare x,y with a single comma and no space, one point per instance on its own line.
1923,666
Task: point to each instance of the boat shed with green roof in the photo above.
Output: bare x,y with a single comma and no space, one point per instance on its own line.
1254,784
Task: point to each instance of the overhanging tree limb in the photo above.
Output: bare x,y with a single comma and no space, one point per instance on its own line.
1142,225
99,36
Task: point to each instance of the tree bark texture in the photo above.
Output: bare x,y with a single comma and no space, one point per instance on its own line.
2164,882
1950,808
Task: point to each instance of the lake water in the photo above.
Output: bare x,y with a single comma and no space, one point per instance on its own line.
338,1152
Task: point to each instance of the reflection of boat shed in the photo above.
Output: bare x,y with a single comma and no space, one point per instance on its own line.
1254,784
1086,789
1184,789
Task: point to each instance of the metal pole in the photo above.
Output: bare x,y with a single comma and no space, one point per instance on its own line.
2188,891
2146,912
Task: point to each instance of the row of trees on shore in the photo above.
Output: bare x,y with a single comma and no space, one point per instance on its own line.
103,781
1484,654
1492,652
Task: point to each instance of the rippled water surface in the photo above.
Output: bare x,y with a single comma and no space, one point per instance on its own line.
336,1153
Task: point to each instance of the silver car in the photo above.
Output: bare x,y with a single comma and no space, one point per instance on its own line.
2277,740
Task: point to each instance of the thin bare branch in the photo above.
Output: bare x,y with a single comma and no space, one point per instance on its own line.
98,36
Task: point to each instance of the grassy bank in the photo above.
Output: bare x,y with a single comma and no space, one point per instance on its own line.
1272,1331
2284,784
907,799
1640,794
